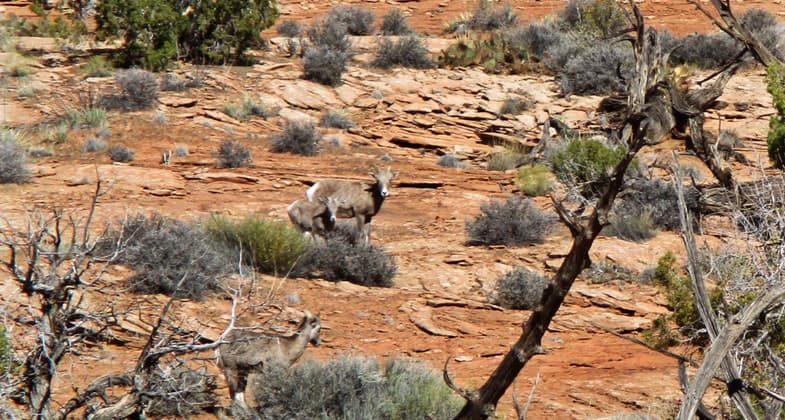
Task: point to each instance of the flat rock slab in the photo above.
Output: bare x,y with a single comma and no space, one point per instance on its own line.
307,95
422,316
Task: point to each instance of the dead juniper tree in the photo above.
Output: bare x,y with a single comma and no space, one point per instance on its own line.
642,125
55,265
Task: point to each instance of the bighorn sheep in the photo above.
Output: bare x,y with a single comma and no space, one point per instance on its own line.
357,199
314,217
248,351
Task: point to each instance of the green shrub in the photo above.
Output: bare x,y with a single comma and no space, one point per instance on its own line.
7,362
179,392
586,165
354,388
775,82
512,222
596,18
520,288
13,161
299,137
87,117
356,20
248,106
232,154
510,158
536,180
58,134
339,260
120,153
169,256
334,118
271,246
289,28
395,23
534,40
97,66
407,51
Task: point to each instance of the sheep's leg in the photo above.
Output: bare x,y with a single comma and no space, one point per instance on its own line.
359,234
232,379
240,382
367,230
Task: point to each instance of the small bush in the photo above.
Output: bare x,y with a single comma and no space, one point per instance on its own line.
521,288
490,18
707,51
659,199
179,392
510,158
512,222
139,87
586,165
7,362
232,154
88,117
534,40
636,226
299,137
596,18
170,82
334,118
171,257
59,133
325,65
354,388
451,161
357,20
514,105
97,66
536,180
13,160
120,153
289,28
181,151
600,69
407,51
775,84
93,145
394,22
337,260
271,246
160,118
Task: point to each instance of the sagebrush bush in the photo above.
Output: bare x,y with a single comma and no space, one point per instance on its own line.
488,17
600,69
510,158
324,61
171,82
271,246
637,225
520,288
357,20
233,154
775,84
395,22
169,256
353,387
407,51
660,200
338,260
120,153
535,180
139,87
514,105
586,165
13,160
97,66
93,145
511,222
335,118
450,160
298,137
179,392
289,28
707,51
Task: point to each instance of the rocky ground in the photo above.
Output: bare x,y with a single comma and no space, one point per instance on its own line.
438,308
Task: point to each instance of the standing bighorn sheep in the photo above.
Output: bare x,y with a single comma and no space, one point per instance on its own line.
357,199
316,218
248,351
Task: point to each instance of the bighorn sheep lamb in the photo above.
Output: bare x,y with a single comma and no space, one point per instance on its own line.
248,351
314,217
357,199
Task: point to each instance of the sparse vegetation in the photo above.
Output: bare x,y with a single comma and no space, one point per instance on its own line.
181,150
536,180
325,60
450,160
354,387
57,134
514,105
139,88
659,199
120,153
407,51
357,20
520,288
637,225
13,160
707,51
180,392
171,82
289,28
299,137
597,70
334,118
97,66
93,145
84,118
511,222
339,260
395,22
775,80
486,17
510,158
586,165
597,18
233,154
247,107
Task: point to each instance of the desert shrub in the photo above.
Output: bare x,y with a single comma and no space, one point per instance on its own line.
179,392
586,165
520,288
597,70
271,246
514,105
353,387
775,84
510,222
233,154
606,271
120,153
13,161
40,152
597,18
394,22
536,39
637,225
510,158
7,362
535,180
335,118
763,25
58,134
659,199
170,82
170,256
97,66
356,20
248,106
707,51
337,260
407,51
289,28
488,17
139,87
93,145
181,150
450,160
160,117
325,65
299,137
87,117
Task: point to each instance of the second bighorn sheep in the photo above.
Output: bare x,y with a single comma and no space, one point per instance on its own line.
249,351
357,199
314,217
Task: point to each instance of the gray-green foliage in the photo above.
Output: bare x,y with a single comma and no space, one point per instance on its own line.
120,153
13,160
233,154
139,88
357,20
586,165
298,137
330,49
520,288
179,392
394,22
407,51
511,222
335,118
354,388
340,260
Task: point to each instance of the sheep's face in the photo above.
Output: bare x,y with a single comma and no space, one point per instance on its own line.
331,205
315,327
383,179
